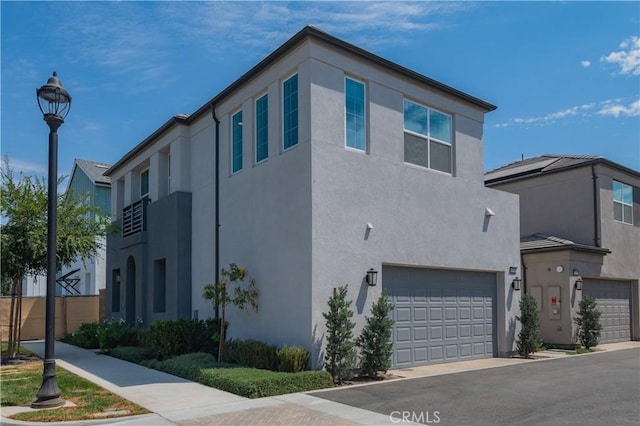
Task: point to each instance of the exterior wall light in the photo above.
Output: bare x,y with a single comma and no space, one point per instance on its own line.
578,284
515,284
372,277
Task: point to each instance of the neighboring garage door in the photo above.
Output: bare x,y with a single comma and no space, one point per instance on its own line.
614,302
441,315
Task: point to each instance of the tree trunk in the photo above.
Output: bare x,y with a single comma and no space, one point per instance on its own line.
19,318
11,349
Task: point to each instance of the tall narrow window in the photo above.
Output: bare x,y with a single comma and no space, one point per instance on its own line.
236,136
262,128
427,137
159,285
115,290
355,115
290,112
144,183
622,202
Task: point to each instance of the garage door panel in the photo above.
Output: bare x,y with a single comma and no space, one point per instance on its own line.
445,306
613,299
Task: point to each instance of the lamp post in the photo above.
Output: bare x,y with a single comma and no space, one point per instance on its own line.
54,102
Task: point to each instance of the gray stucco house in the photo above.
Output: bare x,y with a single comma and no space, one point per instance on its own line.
322,162
580,228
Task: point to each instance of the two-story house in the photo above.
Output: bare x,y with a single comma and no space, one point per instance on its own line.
580,229
321,166
82,277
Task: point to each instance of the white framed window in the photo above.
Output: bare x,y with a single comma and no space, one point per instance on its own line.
262,128
355,114
428,137
144,183
622,202
236,142
290,112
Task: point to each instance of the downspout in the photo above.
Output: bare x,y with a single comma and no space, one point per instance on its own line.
524,274
596,225
217,203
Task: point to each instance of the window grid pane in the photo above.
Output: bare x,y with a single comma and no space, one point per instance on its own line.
262,129
435,129
237,141
355,120
290,112
622,202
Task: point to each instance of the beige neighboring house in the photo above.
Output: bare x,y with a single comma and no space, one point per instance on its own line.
580,235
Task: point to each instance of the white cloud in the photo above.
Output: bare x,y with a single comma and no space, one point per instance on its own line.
585,64
628,57
26,167
610,107
617,109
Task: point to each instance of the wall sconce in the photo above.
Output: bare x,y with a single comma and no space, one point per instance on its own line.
515,284
372,277
578,284
488,212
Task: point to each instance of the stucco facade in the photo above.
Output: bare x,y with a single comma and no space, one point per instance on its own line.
570,233
319,214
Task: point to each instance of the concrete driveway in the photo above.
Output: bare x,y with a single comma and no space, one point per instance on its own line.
594,389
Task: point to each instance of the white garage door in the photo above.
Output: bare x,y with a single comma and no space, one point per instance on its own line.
441,315
614,302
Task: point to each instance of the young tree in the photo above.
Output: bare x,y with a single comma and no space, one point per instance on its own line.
588,322
529,337
23,206
376,347
340,353
220,294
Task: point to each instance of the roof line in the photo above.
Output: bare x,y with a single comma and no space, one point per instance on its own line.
537,172
306,32
576,247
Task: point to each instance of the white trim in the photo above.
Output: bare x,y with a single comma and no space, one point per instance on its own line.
622,203
284,80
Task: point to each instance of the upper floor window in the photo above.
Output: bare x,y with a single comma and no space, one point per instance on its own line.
262,128
236,141
427,137
290,112
355,114
144,183
622,202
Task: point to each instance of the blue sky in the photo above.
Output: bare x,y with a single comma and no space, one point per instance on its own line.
564,75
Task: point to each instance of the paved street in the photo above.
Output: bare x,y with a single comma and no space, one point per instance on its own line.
597,389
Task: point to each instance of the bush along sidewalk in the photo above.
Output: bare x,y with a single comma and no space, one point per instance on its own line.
376,347
588,322
529,340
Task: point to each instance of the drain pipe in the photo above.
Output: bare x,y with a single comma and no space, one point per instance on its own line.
524,274
596,227
217,202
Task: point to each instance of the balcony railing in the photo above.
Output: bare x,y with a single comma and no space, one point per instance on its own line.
134,217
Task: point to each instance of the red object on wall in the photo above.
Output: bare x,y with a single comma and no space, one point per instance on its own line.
554,301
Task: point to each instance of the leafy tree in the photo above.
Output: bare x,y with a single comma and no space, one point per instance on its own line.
23,207
340,353
374,342
588,322
220,294
529,339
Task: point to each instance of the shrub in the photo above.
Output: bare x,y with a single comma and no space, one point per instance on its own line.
87,336
117,333
167,339
588,322
529,337
340,353
133,354
292,359
374,342
252,353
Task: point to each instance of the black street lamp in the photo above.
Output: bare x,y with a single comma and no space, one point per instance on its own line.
54,102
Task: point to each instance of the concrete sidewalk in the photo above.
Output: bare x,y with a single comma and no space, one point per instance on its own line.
178,401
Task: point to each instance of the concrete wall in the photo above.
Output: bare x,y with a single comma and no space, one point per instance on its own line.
70,313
